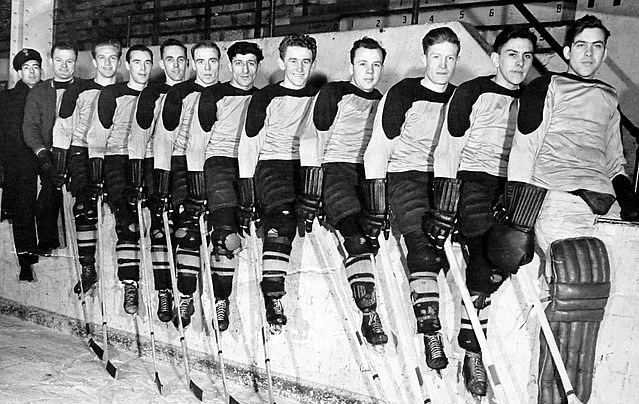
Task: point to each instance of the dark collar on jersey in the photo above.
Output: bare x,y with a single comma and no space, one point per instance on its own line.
493,87
582,79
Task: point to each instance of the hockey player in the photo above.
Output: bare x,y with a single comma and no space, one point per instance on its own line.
18,163
269,164
187,189
174,62
332,159
109,164
474,148
70,152
212,155
40,112
568,142
407,129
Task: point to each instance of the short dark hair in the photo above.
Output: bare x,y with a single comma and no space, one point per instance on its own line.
301,40
440,35
511,33
587,21
62,45
138,47
205,44
245,48
108,42
367,43
172,42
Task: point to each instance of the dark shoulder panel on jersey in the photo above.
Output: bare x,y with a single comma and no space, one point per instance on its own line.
207,108
70,96
256,113
462,101
400,99
146,103
531,104
328,100
107,101
173,103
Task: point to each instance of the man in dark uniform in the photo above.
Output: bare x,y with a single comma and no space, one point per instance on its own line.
40,113
17,162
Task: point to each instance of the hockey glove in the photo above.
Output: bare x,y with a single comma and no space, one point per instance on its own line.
44,160
511,243
59,175
309,201
247,207
374,215
196,201
627,198
438,223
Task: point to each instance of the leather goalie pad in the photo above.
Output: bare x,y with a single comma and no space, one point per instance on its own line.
579,292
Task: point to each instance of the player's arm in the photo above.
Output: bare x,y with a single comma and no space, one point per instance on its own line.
533,119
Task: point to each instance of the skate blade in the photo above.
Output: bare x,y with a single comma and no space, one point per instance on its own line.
379,349
275,329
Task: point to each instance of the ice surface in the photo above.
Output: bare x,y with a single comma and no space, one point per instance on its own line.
38,365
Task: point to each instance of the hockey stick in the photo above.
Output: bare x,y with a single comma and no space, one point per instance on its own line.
257,268
320,246
195,389
206,271
499,389
609,220
393,288
71,239
528,291
101,251
147,293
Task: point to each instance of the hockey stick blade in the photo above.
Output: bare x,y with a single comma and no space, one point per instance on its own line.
232,400
197,391
112,370
96,348
158,383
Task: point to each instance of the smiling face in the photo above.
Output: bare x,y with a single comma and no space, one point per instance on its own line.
297,65
366,69
106,61
174,64
243,70
206,62
587,52
63,61
440,61
139,68
30,73
513,62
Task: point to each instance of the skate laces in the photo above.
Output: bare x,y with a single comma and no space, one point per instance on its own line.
130,297
220,309
375,323
434,345
479,372
278,309
185,307
164,301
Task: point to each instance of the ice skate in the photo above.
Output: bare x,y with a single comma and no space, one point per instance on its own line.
275,314
373,331
89,277
222,313
435,356
165,312
185,311
130,297
474,374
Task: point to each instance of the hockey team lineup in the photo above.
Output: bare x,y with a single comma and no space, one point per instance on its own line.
200,175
